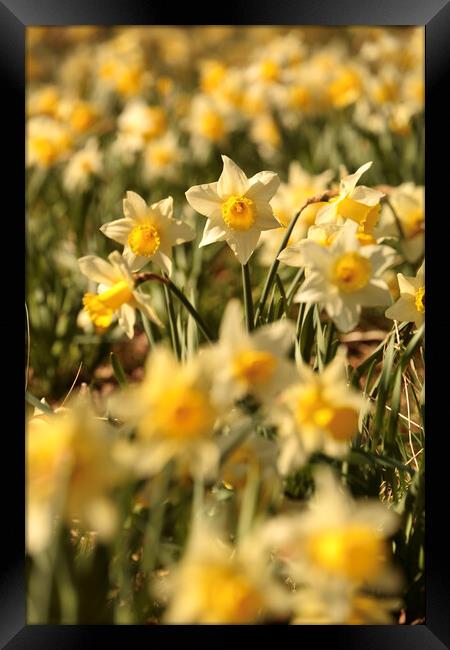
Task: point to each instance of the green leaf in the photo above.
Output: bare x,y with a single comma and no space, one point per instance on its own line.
118,370
31,399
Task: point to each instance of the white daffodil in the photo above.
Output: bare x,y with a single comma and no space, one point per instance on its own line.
317,412
139,124
216,583
83,166
148,233
174,415
116,293
337,545
323,235
345,276
292,195
70,473
250,364
408,202
237,208
357,203
410,307
162,158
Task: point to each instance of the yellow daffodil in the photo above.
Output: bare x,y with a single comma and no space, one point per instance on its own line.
345,276
148,233
355,202
174,414
250,364
162,158
318,412
48,142
117,295
70,473
216,583
237,208
337,545
139,124
408,202
410,307
83,166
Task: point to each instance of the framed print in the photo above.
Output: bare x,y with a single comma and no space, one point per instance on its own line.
225,323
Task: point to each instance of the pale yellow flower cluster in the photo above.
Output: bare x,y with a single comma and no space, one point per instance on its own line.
242,402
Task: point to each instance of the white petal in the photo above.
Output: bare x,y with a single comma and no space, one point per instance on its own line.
315,256
179,232
165,207
212,233
232,321
381,257
345,315
264,216
406,284
366,195
163,260
144,301
243,243
127,318
313,289
119,262
204,198
276,337
263,186
404,310
376,293
346,239
96,269
292,256
118,230
232,180
135,262
327,214
348,183
134,206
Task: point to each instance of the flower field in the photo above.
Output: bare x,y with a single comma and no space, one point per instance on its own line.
225,311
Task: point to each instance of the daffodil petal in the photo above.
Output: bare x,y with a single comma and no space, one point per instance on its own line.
243,243
118,230
134,206
127,318
263,186
204,198
232,180
96,269
212,233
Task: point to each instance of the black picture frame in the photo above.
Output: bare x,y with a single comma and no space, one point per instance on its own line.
15,17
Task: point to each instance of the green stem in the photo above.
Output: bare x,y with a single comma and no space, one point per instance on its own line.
273,269
294,285
396,217
148,331
191,309
172,322
248,300
155,522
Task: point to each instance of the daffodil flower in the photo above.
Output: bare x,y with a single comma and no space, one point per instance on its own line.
116,295
253,364
174,415
237,208
148,233
337,544
345,276
317,412
216,583
410,307
357,203
70,472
